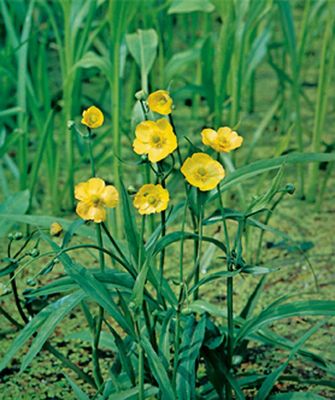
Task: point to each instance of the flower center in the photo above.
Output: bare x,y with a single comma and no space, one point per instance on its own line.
93,118
152,200
156,139
162,101
202,172
96,200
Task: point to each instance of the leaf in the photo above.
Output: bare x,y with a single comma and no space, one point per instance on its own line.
259,167
58,311
93,60
257,52
106,341
92,287
271,379
296,396
202,306
142,46
80,395
150,392
186,6
212,277
193,336
132,234
39,319
158,370
176,236
164,336
17,203
179,62
277,312
45,222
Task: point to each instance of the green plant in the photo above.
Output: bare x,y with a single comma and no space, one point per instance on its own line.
159,343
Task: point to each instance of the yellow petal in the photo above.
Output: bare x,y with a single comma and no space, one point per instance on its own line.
110,196
96,214
208,136
81,191
140,147
82,210
96,186
144,130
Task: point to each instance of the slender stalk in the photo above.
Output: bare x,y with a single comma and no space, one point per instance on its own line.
140,365
230,298
97,331
199,244
163,222
137,323
180,300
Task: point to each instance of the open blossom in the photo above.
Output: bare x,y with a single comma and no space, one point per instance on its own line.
222,140
202,171
155,138
160,102
151,199
94,197
92,117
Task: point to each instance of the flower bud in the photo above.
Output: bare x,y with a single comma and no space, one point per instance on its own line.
131,189
56,229
289,188
18,235
140,95
34,253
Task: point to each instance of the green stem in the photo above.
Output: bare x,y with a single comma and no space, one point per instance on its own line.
230,299
97,330
199,244
138,329
140,364
180,300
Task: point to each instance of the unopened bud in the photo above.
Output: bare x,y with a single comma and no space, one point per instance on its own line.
18,235
131,190
140,95
34,253
56,229
290,189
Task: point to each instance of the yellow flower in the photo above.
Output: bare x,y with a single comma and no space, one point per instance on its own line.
56,229
93,117
225,139
160,102
155,138
202,171
151,199
94,196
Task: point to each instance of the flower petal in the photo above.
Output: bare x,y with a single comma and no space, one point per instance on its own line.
96,186
81,191
110,196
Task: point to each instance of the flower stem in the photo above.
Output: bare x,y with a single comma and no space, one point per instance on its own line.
230,298
198,249
97,329
180,299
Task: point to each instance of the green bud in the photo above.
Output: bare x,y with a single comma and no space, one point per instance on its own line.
34,253
140,95
18,235
131,190
290,189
